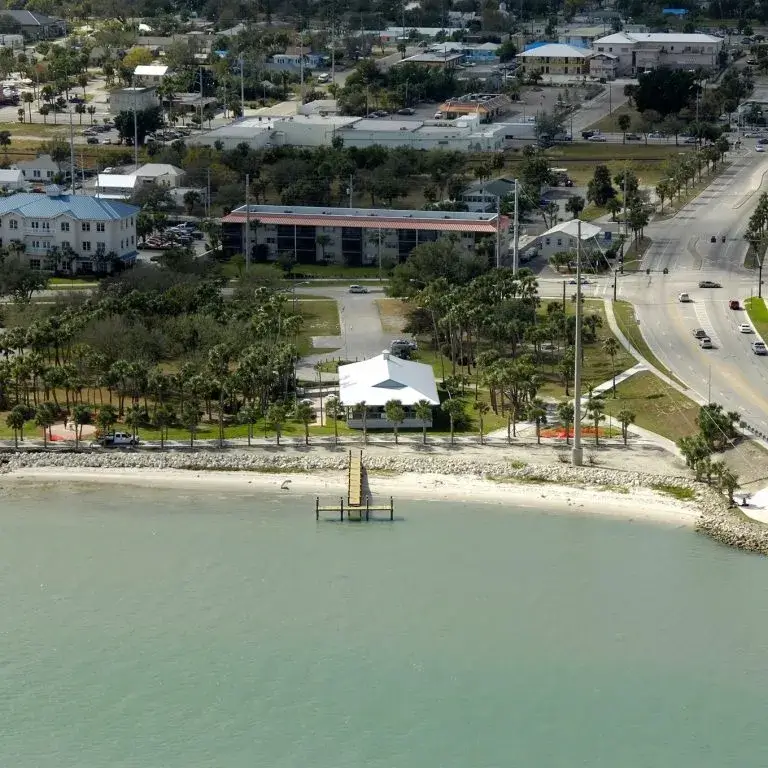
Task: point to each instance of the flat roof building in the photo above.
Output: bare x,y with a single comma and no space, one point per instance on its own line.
351,236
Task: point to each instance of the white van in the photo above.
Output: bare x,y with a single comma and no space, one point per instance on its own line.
684,298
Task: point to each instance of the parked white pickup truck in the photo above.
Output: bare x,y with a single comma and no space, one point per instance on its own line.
119,440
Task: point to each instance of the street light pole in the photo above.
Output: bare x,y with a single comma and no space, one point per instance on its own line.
577,454
516,232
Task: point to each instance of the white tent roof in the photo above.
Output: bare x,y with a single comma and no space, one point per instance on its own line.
10,176
150,70
116,181
384,378
571,228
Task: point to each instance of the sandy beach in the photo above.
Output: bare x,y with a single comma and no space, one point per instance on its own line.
629,504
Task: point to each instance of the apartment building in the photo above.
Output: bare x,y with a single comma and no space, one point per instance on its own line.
555,59
71,233
637,52
350,236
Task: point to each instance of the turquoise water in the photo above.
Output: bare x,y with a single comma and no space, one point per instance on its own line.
176,629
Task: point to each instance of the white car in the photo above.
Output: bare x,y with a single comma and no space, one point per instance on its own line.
759,348
759,148
684,298
745,328
358,289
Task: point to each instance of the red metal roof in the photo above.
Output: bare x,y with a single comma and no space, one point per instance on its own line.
370,222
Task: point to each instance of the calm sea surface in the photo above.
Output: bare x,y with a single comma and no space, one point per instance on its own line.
173,629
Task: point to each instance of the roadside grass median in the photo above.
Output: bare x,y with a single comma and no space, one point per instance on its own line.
758,314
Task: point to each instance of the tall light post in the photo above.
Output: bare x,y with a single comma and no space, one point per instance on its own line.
577,453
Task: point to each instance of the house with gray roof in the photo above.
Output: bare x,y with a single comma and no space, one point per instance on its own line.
42,170
69,233
37,26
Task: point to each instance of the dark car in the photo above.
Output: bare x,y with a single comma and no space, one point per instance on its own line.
709,284
587,134
91,140
633,137
406,111
713,239
699,333
734,304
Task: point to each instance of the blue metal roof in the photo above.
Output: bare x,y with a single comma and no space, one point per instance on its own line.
77,206
674,11
531,46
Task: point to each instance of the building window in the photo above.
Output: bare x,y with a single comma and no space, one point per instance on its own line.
35,225
87,245
13,224
47,226
131,239
65,244
121,245
86,226
559,240
36,244
35,264
36,174
100,226
65,226
547,242
101,247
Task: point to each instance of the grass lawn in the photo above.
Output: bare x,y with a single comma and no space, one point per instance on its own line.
337,271
592,212
610,124
657,406
758,314
633,255
39,128
321,318
393,314
627,322
671,208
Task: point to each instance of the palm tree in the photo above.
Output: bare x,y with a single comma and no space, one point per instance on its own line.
191,419
249,415
45,418
28,98
455,410
596,412
611,348
44,110
304,413
625,417
134,418
334,409
537,412
81,415
423,412
575,205
323,240
363,408
161,419
395,413
624,121
276,415
90,109
106,418
482,409
5,141
729,482
15,420
565,414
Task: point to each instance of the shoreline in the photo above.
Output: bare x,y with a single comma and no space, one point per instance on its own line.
547,488
588,500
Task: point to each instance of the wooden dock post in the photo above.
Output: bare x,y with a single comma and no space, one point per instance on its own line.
317,507
391,509
341,508
367,508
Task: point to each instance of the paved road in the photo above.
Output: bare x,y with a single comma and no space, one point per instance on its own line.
729,374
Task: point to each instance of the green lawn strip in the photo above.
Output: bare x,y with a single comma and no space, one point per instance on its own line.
592,212
657,406
758,314
627,322
672,207
633,255
610,123
676,492
336,271
321,318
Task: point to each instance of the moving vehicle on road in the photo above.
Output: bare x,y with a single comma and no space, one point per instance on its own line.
745,328
584,281
684,298
597,138
713,239
699,333
759,348
358,289
706,343
406,111
709,284
734,304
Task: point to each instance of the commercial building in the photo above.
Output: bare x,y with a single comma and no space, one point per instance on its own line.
434,60
482,195
604,66
128,99
350,236
115,186
556,59
82,233
294,60
486,105
383,378
582,36
471,53
637,52
162,174
465,134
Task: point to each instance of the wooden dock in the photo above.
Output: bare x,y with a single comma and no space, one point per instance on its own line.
358,508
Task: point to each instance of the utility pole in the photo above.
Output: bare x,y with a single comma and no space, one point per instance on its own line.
135,130
565,284
242,85
516,232
498,232
351,188
247,222
73,176
625,201
577,455
208,194
201,99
